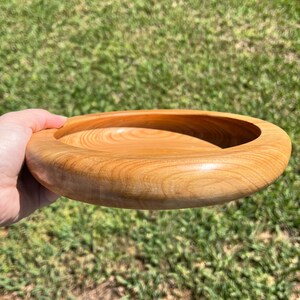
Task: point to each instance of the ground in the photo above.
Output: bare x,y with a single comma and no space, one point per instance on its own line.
77,57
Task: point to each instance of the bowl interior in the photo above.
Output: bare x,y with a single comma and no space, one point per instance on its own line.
157,134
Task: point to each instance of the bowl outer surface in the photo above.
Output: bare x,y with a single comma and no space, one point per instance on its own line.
180,179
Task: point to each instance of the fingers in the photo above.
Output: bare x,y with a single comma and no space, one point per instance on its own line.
47,197
35,119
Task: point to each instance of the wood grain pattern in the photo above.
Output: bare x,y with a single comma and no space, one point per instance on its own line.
159,159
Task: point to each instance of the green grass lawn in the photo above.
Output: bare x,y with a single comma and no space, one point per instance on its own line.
77,57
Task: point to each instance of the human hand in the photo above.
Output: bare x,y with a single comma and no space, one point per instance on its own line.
20,193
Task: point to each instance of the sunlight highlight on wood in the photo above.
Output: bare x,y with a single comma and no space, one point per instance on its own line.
159,159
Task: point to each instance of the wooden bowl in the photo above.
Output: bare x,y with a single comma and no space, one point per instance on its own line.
158,159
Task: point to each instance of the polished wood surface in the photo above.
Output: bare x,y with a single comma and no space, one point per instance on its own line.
159,159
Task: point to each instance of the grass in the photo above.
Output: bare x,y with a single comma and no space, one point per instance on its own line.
77,57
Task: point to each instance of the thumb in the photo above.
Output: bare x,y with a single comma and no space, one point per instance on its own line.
34,119
16,129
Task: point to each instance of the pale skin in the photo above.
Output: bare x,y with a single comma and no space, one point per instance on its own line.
20,193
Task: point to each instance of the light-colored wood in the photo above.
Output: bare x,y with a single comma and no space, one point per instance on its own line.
159,159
